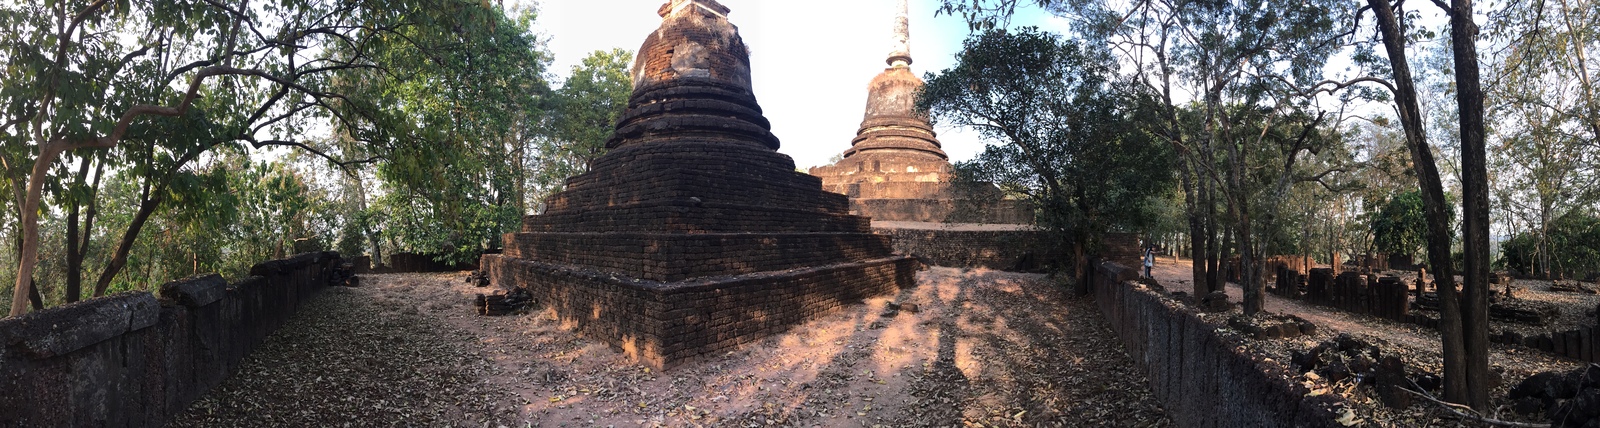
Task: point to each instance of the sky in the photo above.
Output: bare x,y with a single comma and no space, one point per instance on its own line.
810,60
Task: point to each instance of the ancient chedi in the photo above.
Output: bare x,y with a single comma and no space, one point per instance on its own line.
895,169
693,235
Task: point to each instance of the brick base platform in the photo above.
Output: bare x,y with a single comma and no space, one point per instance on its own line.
664,324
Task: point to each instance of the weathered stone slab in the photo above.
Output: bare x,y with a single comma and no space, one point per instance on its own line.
196,291
61,330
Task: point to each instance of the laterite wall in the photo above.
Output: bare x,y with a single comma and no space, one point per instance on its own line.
1203,379
134,359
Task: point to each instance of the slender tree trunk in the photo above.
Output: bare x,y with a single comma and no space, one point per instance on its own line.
29,259
1197,245
1227,248
74,258
34,297
1214,279
1456,381
1475,202
119,259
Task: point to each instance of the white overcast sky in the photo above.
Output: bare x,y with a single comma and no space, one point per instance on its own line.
811,60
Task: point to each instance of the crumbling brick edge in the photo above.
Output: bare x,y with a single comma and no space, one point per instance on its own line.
133,359
1008,250
1202,377
667,324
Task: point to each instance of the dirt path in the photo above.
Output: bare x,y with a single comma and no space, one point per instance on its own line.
987,348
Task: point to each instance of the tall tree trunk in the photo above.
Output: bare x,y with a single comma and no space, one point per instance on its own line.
1475,202
1227,248
1197,245
1214,279
1456,382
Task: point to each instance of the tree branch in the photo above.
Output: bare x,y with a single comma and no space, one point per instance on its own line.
341,164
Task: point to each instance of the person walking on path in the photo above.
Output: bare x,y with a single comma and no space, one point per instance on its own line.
1149,260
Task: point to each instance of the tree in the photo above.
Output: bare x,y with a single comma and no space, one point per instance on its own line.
1251,69
1232,48
1475,200
464,110
1547,116
582,115
1059,134
1463,319
89,74
1574,241
1400,226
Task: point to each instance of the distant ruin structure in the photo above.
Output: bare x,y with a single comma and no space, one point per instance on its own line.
693,235
895,169
897,173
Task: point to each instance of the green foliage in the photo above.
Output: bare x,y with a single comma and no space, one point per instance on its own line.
444,89
1400,226
1574,245
465,95
582,115
1058,132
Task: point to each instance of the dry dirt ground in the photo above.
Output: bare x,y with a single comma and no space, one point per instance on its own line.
987,348
1418,346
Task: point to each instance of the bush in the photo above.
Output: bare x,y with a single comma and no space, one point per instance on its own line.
1574,245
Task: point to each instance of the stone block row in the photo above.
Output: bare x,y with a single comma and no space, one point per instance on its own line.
1203,377
687,216
667,323
676,256
713,172
1009,250
135,360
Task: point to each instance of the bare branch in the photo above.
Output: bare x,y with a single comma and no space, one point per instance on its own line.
1337,85
341,164
1467,412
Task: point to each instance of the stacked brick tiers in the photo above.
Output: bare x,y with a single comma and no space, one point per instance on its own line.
895,169
693,235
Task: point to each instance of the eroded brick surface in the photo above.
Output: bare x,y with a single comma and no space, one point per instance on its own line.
693,234
895,169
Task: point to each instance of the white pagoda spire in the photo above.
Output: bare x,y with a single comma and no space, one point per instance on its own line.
901,55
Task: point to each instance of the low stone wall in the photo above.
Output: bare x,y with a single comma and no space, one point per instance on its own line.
1000,211
1203,378
133,359
411,262
1582,344
665,324
1015,248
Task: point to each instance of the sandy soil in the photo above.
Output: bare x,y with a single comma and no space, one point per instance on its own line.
987,348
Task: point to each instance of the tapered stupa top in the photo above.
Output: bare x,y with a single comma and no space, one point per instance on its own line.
691,82
901,55
677,5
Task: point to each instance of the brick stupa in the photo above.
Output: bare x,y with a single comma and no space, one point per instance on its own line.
895,169
693,235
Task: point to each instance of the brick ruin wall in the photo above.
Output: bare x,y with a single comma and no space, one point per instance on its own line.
1203,379
1582,344
135,359
675,257
1386,297
1008,250
1001,211
665,324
